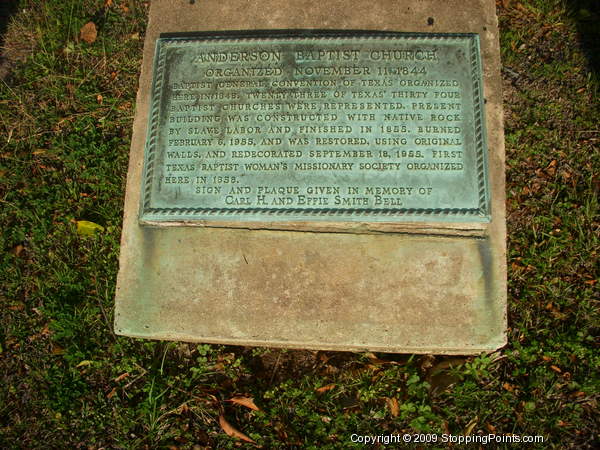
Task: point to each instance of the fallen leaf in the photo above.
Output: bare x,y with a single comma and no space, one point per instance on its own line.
87,228
509,387
521,8
99,98
378,374
393,405
566,175
471,425
375,360
184,408
57,350
108,3
491,428
556,369
248,402
324,357
325,388
88,32
112,393
233,432
445,427
17,249
122,377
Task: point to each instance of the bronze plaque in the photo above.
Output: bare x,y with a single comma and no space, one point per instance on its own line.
377,127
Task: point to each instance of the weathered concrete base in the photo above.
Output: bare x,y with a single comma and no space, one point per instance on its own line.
410,291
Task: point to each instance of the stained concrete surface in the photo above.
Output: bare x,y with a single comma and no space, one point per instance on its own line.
397,292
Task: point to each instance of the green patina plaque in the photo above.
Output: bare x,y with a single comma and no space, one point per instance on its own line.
377,127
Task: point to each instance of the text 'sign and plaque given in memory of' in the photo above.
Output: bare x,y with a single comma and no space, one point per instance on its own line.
374,127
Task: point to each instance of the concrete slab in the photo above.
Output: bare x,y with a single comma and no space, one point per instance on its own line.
419,289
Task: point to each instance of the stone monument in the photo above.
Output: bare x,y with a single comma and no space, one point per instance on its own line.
324,176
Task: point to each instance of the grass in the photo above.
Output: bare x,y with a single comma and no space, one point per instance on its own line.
66,109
